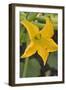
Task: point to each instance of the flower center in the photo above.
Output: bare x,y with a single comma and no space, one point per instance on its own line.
38,37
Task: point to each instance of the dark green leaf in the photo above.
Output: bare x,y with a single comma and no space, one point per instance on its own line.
23,35
53,60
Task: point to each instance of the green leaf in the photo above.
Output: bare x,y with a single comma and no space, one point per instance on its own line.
53,60
33,68
22,16
54,18
41,19
23,35
21,68
31,16
40,25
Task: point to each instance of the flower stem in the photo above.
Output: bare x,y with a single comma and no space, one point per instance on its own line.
26,63
25,67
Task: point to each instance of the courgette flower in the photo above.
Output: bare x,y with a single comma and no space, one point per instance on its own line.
40,40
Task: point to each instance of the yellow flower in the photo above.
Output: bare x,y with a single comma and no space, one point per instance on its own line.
41,40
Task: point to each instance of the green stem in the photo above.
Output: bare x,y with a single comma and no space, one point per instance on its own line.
25,67
26,63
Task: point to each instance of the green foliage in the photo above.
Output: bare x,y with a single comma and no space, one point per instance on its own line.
31,16
23,35
33,69
40,25
41,19
52,60
23,16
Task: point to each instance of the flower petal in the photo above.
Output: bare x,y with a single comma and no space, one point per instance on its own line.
44,54
52,46
48,30
30,50
31,28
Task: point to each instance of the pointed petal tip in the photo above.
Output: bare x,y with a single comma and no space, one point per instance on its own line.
44,63
23,56
23,21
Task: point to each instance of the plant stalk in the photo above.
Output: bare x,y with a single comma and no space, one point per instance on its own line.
26,63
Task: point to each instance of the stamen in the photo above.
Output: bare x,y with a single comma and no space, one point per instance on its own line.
38,37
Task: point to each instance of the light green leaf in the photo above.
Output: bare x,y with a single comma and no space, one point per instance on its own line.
33,69
31,16
22,16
